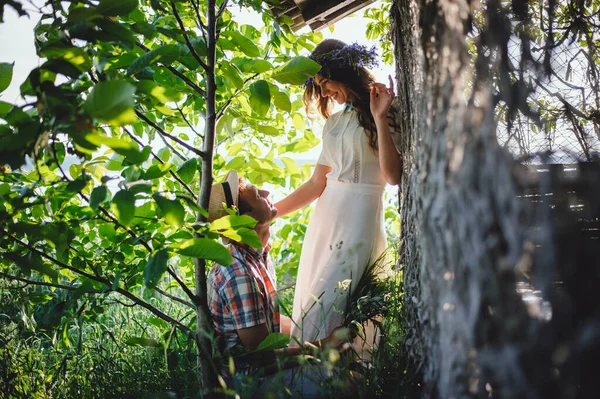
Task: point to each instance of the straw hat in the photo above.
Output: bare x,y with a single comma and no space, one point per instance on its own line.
223,193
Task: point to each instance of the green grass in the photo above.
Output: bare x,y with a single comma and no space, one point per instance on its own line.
94,347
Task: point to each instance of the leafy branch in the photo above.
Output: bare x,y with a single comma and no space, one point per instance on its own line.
162,132
104,281
187,39
159,159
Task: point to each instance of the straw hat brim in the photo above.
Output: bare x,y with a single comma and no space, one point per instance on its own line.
223,195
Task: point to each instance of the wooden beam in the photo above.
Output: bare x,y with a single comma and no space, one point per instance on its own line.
320,10
332,17
318,14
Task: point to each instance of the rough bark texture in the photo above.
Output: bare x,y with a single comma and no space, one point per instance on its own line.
468,235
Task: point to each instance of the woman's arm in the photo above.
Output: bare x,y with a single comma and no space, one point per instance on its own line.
306,193
390,160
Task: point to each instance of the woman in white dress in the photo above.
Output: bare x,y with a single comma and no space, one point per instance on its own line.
346,229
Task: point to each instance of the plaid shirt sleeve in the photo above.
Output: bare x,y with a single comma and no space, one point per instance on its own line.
242,297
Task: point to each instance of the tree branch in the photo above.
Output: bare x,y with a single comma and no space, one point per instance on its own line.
221,9
223,109
43,283
114,220
107,282
175,298
199,22
568,106
180,75
230,137
187,39
187,188
188,122
175,139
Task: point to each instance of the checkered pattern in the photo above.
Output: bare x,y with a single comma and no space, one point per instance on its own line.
243,295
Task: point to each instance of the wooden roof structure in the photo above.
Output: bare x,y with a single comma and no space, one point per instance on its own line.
317,14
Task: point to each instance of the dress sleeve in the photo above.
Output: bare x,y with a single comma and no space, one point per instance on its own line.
242,297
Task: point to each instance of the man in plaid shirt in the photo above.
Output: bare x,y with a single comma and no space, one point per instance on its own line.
242,296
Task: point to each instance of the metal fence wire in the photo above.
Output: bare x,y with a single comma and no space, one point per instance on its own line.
568,106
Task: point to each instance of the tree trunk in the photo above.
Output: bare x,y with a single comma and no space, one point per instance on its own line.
459,209
467,234
204,327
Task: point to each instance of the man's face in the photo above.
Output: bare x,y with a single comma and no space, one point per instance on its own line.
257,200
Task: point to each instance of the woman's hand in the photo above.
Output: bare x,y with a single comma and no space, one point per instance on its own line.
381,99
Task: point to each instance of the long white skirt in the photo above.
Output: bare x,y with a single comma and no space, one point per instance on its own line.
344,235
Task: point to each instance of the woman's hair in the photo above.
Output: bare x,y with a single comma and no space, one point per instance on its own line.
356,79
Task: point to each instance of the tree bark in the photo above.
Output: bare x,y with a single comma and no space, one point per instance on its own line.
461,226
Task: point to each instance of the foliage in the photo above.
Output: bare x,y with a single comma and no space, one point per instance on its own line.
112,353
101,172
99,195
380,29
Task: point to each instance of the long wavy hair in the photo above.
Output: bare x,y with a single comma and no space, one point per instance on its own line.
356,79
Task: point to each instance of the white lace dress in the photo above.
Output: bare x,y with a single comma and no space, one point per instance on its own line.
345,231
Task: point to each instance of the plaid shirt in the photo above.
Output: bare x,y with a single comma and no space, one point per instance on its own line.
243,295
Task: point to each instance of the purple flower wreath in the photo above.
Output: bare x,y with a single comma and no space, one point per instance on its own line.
351,55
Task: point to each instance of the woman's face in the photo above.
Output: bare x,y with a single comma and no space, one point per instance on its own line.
330,88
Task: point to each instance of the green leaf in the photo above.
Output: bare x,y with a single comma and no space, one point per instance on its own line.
268,130
58,233
160,93
281,100
74,55
4,108
186,57
243,44
232,75
27,264
98,196
249,65
155,268
238,228
107,230
296,71
61,66
156,171
164,54
112,101
260,97
4,189
204,248
187,170
124,207
291,167
233,222
271,342
128,149
6,73
139,341
172,210
113,8
298,121
117,31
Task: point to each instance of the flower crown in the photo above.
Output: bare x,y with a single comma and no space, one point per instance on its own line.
351,55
